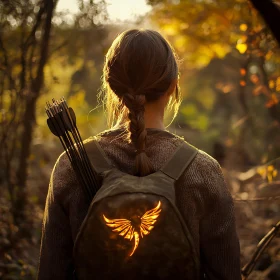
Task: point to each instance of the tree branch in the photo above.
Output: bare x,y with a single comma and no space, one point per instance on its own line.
271,13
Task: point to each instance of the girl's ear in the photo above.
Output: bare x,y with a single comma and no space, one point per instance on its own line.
172,87
169,92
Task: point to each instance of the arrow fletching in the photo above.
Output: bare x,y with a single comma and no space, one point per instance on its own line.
62,123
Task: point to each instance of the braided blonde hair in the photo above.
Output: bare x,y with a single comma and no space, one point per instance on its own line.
140,67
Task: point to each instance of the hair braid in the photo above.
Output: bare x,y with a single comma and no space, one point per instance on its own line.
138,133
140,67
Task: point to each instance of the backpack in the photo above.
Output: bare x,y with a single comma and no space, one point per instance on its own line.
133,229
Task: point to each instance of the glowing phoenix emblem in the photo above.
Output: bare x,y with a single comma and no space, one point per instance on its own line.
126,228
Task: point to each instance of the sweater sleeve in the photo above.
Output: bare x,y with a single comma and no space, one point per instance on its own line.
56,243
219,244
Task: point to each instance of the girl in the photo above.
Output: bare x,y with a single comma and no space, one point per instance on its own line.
141,83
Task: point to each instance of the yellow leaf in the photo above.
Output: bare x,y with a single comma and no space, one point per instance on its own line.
271,173
271,84
278,84
270,168
262,172
272,101
241,47
170,30
268,172
243,27
268,55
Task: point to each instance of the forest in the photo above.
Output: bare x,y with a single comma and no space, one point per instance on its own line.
230,81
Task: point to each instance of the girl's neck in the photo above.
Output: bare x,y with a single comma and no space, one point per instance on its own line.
155,124
154,116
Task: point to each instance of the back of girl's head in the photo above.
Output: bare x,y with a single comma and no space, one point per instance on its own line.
140,67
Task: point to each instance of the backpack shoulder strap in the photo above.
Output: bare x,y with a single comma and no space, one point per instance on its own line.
97,157
180,160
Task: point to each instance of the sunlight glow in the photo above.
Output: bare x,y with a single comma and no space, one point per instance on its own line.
118,10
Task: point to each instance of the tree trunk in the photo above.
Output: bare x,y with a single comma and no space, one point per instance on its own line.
30,118
241,96
271,13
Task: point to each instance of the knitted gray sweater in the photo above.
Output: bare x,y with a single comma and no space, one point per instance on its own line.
201,195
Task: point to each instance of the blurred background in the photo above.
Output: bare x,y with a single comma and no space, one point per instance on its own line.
230,81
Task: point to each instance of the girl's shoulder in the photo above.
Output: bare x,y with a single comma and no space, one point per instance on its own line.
203,164
151,132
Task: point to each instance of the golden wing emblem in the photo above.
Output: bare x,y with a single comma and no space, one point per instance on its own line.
125,228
